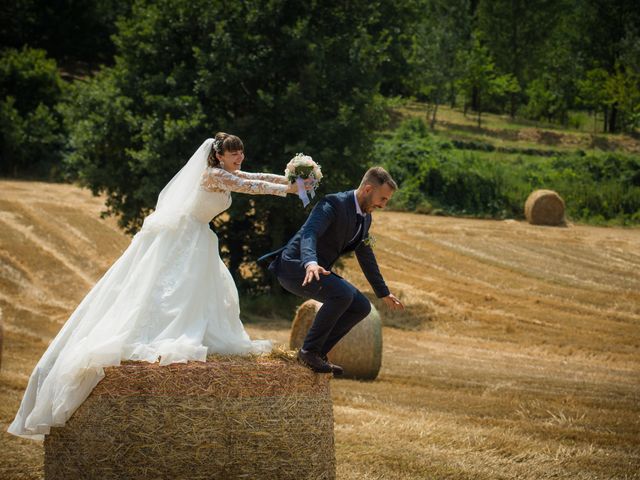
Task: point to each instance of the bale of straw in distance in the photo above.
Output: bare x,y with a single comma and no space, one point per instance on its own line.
359,352
227,418
545,207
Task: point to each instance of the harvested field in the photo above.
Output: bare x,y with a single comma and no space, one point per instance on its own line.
518,356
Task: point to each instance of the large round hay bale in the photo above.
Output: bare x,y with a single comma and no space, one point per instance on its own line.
544,207
359,352
227,418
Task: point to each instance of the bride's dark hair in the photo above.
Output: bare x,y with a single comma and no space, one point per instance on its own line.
223,142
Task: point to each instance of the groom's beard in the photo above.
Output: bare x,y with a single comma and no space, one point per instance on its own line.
367,204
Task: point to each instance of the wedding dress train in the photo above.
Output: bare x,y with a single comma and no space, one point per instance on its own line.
169,297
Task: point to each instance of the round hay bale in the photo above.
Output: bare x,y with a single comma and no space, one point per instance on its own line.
359,352
544,207
227,418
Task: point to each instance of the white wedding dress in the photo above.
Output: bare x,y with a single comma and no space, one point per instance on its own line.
169,297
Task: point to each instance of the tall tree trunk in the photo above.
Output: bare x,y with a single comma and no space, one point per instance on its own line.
613,119
432,124
515,54
475,99
605,115
452,95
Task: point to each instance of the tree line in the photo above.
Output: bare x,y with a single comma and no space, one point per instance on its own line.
536,59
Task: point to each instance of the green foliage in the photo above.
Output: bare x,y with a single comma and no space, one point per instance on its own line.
478,79
547,45
286,77
623,92
545,102
436,177
31,135
552,91
434,173
598,189
69,30
516,34
610,41
602,91
396,33
442,29
591,89
31,76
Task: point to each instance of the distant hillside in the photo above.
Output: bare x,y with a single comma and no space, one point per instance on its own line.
518,135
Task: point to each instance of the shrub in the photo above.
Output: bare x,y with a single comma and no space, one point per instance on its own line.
31,136
435,174
597,188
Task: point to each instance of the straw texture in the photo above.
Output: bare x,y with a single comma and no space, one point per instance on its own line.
359,352
1,336
228,418
545,207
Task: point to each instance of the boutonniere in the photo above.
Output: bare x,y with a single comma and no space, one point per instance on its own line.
370,241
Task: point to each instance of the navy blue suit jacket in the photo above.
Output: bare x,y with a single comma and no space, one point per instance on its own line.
327,234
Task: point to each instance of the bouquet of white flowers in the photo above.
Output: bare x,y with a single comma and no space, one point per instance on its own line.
301,168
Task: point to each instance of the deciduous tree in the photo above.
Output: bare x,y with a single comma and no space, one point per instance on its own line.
286,76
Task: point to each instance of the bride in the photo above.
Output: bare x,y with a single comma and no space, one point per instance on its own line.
169,297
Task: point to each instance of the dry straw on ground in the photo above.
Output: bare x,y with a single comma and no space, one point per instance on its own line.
228,418
1,336
522,360
359,352
545,207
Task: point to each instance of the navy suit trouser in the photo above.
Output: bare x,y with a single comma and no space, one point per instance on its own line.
343,306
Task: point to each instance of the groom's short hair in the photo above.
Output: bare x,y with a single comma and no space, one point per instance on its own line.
378,176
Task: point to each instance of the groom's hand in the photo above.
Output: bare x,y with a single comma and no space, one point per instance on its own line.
314,271
392,302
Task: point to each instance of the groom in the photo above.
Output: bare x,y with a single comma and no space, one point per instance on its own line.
338,224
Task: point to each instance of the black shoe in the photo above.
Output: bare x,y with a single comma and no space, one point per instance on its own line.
314,362
336,369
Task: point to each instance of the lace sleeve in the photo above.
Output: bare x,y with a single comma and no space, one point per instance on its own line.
218,180
267,177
